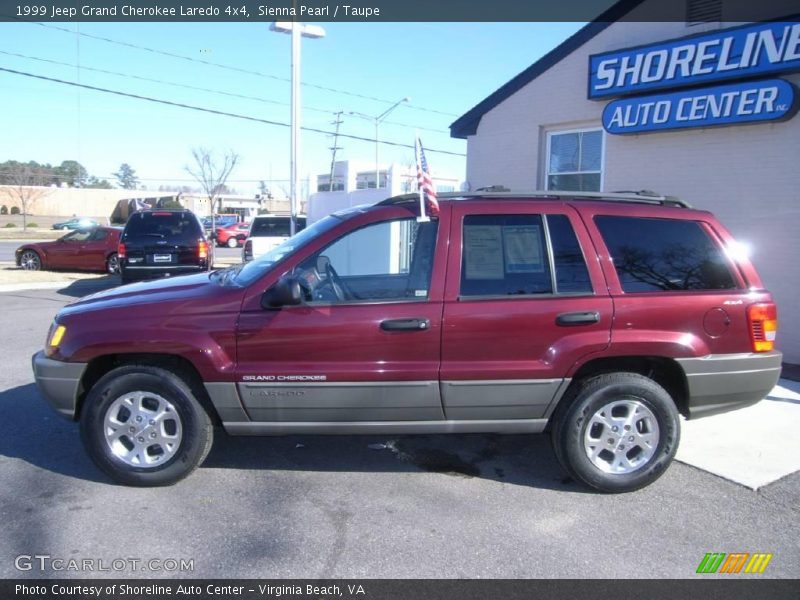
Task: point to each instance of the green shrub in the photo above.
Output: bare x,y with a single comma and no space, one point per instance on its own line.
10,225
34,225
15,210
3,210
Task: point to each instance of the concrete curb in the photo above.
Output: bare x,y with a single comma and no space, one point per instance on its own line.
33,285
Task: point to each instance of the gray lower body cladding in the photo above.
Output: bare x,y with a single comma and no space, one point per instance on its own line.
508,406
58,382
723,382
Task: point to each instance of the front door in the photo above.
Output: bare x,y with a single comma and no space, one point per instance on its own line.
365,343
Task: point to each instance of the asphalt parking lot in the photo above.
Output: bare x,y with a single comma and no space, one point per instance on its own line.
329,507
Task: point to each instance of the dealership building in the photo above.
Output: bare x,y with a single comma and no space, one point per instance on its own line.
699,110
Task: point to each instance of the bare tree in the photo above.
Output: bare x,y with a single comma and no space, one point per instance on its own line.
27,186
212,174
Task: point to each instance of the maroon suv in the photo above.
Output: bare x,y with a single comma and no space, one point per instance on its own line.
600,317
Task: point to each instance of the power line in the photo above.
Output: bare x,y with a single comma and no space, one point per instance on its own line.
237,69
200,89
218,112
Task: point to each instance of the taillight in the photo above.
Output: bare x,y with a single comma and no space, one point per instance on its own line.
121,251
248,250
763,321
202,250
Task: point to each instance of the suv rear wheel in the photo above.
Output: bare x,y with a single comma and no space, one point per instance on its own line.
143,426
616,432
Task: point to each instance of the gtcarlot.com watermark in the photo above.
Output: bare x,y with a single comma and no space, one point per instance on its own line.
48,563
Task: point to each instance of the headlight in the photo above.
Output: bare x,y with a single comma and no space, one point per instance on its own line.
55,337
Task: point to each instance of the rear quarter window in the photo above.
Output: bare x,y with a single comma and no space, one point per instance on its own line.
656,255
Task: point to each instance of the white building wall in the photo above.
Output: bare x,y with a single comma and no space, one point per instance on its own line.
748,175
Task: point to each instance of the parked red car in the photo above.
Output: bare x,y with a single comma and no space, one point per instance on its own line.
92,249
232,235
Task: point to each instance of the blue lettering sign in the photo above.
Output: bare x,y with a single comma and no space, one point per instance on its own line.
753,101
737,53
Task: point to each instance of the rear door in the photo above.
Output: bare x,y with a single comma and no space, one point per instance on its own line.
522,305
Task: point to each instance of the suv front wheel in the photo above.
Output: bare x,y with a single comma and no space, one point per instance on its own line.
143,426
616,432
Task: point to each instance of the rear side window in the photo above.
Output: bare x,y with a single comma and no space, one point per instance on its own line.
504,255
655,255
572,276
168,225
274,227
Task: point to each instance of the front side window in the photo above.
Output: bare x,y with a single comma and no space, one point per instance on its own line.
655,255
504,255
386,261
575,160
79,235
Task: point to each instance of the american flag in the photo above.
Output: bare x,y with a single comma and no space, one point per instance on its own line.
424,180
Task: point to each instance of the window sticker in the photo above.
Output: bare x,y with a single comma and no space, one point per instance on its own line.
523,249
483,247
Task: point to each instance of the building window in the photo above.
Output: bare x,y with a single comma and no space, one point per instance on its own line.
575,160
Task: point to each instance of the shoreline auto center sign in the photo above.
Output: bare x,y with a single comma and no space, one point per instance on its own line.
746,54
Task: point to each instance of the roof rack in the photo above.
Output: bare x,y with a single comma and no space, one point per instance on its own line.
641,197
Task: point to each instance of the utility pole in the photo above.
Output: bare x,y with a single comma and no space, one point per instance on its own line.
335,147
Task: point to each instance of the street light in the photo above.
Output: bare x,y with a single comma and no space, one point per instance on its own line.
296,30
378,120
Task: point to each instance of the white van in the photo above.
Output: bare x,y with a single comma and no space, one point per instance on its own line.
267,232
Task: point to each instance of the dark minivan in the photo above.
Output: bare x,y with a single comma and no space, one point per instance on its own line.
163,243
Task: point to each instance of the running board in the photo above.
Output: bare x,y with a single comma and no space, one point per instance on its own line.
387,427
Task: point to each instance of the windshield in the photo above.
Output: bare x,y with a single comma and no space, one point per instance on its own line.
246,274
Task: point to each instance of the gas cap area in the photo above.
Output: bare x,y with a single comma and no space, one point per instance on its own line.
716,322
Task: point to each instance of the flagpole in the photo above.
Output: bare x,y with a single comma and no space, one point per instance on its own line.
423,217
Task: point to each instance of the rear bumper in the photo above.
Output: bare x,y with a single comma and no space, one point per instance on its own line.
151,272
722,382
58,382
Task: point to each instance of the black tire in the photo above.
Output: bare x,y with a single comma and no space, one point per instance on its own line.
589,398
196,426
30,260
112,264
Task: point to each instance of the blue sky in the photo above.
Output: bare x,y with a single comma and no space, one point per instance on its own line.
446,68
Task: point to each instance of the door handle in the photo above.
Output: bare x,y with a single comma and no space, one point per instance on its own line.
405,324
577,318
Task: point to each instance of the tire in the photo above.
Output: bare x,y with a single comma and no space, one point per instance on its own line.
136,399
112,264
233,242
30,261
616,460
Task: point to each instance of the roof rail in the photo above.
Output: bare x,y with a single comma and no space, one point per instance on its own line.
641,197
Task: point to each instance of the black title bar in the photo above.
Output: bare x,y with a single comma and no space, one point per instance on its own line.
379,10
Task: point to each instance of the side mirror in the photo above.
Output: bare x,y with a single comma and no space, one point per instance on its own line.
285,292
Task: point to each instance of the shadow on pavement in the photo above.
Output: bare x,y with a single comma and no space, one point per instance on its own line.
38,436
84,287
526,460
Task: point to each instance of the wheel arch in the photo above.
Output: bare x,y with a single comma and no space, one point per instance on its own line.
664,371
179,365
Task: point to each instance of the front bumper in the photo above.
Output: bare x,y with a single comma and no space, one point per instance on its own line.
723,382
58,381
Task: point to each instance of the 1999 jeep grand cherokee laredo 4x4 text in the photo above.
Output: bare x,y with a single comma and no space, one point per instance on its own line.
600,317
